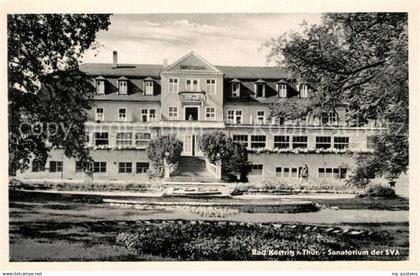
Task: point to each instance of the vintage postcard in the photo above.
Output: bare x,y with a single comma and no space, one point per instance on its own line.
178,136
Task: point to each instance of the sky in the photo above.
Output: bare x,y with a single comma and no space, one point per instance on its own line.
221,39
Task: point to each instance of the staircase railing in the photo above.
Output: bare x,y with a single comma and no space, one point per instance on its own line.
216,170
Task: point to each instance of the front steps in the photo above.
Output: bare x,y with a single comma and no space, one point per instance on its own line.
192,169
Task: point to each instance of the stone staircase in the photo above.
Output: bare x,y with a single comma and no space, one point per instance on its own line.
192,169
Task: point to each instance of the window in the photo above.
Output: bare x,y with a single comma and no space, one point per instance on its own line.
323,142
125,167
99,167
124,139
256,169
210,113
101,138
260,90
278,171
122,114
286,172
234,116
257,141
241,139
191,85
282,90
211,86
142,139
370,142
260,117
99,114
338,173
341,142
122,87
149,87
37,166
100,87
56,166
173,112
236,89
148,115
142,167
78,166
329,118
281,142
294,172
303,90
173,85
300,142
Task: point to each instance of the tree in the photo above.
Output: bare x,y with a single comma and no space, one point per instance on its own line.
167,146
48,96
360,61
233,156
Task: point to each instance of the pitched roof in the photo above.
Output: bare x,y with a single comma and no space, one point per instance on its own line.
153,70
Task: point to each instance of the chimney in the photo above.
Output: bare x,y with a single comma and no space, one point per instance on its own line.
114,59
165,63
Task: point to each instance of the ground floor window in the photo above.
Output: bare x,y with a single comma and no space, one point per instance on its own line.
37,166
256,169
125,167
257,141
293,172
281,142
338,173
142,167
99,167
78,167
56,166
241,139
124,139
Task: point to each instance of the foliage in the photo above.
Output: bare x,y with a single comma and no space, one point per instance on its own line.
359,61
162,147
379,191
48,96
227,242
233,156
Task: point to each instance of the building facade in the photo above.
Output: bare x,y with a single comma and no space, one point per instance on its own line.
136,103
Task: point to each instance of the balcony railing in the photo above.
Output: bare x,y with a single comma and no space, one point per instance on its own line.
192,96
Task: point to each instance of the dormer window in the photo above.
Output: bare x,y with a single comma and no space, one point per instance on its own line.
122,86
148,86
100,85
236,88
282,89
303,90
260,88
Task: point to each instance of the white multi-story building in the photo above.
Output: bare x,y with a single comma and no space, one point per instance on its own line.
135,103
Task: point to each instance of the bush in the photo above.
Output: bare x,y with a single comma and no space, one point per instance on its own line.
234,157
157,150
379,191
226,242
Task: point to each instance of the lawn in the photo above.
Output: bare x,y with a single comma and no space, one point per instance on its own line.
66,228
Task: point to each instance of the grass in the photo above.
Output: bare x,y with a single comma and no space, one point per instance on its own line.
79,228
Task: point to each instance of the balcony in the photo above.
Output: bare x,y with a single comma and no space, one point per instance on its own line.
192,97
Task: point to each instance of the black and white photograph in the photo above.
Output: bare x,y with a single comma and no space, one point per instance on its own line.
191,137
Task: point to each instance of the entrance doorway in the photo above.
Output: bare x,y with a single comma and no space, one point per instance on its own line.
191,113
191,145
